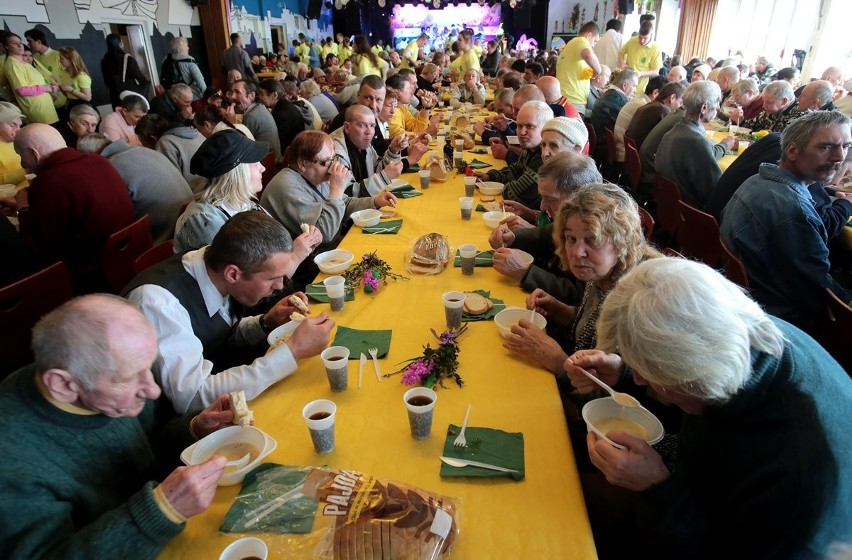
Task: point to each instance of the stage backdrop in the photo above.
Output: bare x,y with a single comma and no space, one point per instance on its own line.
409,20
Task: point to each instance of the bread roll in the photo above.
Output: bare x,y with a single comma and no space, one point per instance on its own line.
242,415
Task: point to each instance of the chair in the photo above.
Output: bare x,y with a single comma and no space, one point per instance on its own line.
632,163
269,163
666,195
836,329
593,139
611,170
647,223
121,250
154,255
733,267
698,235
22,304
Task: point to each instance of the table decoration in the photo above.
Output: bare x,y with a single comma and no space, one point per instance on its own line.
436,364
370,270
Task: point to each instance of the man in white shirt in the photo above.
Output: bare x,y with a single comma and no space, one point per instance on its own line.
609,44
196,300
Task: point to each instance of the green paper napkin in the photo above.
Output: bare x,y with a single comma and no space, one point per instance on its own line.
414,168
479,151
406,191
260,487
488,315
317,292
476,164
361,341
484,258
389,227
486,445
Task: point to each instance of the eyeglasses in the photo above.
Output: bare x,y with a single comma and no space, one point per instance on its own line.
326,162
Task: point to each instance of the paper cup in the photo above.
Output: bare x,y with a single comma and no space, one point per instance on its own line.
469,184
420,403
425,175
249,547
453,308
744,144
319,416
466,205
336,360
467,255
335,287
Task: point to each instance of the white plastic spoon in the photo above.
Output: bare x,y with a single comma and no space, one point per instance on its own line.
239,463
621,398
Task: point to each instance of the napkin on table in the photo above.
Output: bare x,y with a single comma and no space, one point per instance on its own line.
317,293
484,258
406,191
389,227
486,445
476,164
359,341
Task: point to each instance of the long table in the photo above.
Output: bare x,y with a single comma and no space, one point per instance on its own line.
542,516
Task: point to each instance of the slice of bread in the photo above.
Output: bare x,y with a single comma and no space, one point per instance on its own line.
475,304
242,415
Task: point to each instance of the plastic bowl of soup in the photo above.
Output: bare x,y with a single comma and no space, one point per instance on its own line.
334,262
233,443
605,415
510,316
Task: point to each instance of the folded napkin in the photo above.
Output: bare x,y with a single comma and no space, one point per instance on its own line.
484,258
317,292
476,164
361,341
388,226
413,168
486,445
495,309
406,191
479,151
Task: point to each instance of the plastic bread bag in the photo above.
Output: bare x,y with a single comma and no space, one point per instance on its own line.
329,514
428,254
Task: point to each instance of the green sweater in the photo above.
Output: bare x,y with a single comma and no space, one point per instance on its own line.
75,486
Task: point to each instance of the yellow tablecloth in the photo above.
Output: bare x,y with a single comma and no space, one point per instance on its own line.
727,159
542,516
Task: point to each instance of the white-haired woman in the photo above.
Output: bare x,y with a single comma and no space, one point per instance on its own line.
765,451
324,105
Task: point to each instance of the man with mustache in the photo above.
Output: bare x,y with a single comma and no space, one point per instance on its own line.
772,224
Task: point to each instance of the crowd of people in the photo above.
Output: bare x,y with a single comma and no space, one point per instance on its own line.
754,405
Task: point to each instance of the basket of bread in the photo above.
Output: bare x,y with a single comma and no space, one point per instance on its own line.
429,254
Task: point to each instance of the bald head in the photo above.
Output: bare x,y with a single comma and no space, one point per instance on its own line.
526,93
36,142
549,87
833,75
354,112
677,74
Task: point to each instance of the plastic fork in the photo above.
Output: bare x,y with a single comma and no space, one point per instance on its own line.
374,353
460,440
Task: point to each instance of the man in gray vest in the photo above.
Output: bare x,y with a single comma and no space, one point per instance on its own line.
196,300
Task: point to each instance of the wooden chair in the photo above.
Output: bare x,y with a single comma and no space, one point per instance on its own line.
268,173
121,250
154,255
836,329
632,163
22,304
647,223
698,235
666,195
611,167
593,140
733,267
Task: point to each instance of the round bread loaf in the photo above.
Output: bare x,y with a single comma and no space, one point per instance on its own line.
475,304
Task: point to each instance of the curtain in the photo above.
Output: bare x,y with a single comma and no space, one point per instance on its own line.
696,22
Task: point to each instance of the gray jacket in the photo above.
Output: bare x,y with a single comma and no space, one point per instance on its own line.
191,75
179,144
156,187
261,123
236,58
375,183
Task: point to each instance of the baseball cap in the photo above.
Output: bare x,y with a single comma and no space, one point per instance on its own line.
224,151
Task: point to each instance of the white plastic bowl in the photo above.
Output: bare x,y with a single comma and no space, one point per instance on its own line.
366,218
203,449
493,219
599,410
284,331
491,188
334,262
527,258
510,316
397,183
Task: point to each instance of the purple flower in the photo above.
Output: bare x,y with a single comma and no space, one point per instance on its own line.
417,371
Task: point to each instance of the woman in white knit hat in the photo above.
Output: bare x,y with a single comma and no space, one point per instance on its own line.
562,134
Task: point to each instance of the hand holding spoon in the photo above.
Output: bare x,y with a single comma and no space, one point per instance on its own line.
621,398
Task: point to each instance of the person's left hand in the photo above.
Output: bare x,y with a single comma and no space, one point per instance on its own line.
529,340
416,151
519,209
305,244
516,222
215,417
508,262
393,169
399,143
637,467
498,148
281,311
384,198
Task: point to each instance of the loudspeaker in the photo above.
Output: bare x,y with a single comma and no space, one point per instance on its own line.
314,9
625,6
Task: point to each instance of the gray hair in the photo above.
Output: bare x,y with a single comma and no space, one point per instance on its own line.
247,241
504,96
681,324
730,72
699,93
92,143
823,91
179,90
83,109
178,44
543,112
745,86
779,89
233,188
309,88
75,337
570,170
800,131
623,76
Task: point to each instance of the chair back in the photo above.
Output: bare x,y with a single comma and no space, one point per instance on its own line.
22,304
593,139
666,195
836,329
647,222
609,137
269,172
698,235
154,255
121,250
632,163
733,267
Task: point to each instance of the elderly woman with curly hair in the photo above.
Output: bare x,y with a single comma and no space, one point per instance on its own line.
765,450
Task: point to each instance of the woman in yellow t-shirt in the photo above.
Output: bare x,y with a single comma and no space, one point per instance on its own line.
32,91
366,61
467,59
74,79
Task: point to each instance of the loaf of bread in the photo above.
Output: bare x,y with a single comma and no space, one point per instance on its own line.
429,254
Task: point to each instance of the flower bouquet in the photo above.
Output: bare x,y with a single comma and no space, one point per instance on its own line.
436,364
370,270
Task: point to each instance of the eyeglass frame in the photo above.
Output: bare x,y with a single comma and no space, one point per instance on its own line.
327,163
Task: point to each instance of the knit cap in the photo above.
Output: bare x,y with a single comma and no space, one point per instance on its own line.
703,68
9,112
572,129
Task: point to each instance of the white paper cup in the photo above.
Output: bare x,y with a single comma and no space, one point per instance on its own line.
420,411
425,176
245,548
744,144
320,415
336,360
460,144
469,184
335,287
466,205
453,308
467,255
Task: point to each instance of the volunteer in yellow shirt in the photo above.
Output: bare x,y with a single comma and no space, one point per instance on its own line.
32,92
467,59
367,61
642,54
577,64
412,51
11,171
47,61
